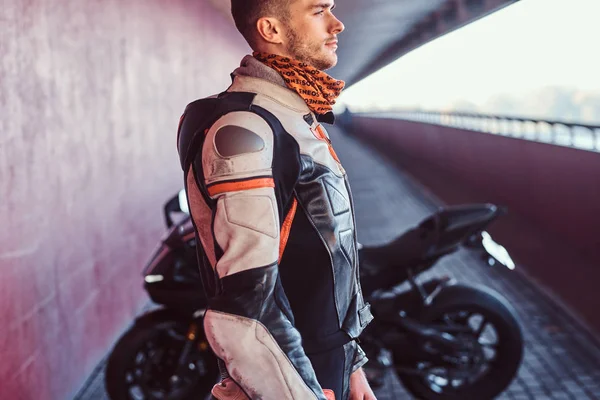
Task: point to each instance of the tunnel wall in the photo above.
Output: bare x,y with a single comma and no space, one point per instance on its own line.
552,193
90,97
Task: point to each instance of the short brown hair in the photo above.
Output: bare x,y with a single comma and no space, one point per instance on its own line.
247,12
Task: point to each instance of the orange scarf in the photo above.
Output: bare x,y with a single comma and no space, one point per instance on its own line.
318,89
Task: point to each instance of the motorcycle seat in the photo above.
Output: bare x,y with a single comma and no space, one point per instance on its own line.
437,235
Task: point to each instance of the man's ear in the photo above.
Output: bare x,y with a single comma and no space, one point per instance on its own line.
270,30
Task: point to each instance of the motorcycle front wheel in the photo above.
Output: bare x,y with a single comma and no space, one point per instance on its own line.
492,347
144,361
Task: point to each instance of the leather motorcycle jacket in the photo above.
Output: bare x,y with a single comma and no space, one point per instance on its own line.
272,209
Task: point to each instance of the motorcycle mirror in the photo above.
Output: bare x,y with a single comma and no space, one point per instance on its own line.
497,251
183,204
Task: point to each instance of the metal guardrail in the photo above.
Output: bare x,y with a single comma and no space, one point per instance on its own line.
561,133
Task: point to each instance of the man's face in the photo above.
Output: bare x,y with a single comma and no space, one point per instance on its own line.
311,33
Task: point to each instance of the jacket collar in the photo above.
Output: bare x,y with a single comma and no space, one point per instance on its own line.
254,76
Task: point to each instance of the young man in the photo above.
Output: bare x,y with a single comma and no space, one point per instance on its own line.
274,216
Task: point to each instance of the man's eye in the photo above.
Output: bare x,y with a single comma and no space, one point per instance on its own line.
320,12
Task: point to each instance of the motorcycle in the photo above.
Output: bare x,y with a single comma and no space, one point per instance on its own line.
444,340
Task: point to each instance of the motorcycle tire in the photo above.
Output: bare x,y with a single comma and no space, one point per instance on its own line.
509,351
167,331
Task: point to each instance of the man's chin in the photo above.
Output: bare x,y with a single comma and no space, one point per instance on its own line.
328,62
322,63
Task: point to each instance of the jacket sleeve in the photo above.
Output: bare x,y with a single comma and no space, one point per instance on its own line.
360,359
249,323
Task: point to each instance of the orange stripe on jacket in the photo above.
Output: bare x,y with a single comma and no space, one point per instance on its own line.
286,227
319,133
241,185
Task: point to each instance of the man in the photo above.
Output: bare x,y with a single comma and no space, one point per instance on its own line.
272,210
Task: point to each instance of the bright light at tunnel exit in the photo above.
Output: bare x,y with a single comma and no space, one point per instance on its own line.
524,47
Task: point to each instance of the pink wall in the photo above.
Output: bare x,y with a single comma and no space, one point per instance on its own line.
90,97
552,192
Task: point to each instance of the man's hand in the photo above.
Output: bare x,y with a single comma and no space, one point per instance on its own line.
359,387
227,389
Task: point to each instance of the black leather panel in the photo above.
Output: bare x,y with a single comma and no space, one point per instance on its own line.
286,161
309,119
339,202
347,243
327,118
350,351
337,234
307,278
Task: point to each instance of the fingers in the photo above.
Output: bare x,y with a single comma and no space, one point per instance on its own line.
362,396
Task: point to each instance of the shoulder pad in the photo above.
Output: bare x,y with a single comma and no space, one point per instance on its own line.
200,115
233,140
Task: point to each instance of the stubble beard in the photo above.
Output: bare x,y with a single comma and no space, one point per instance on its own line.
309,53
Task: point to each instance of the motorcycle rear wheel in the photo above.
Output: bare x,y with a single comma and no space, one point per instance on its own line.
484,378
146,356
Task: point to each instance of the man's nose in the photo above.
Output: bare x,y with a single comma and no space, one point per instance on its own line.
337,25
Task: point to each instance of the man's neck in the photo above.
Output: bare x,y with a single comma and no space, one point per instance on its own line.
250,66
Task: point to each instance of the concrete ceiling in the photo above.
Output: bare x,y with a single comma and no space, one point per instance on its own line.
380,31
